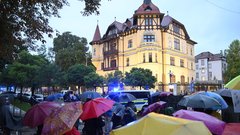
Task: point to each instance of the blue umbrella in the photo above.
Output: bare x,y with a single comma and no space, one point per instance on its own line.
216,96
124,97
89,95
54,97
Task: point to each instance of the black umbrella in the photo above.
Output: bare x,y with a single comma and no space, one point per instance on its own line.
225,92
199,101
89,95
124,97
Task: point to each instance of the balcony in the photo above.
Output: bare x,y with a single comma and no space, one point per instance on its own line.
110,52
110,68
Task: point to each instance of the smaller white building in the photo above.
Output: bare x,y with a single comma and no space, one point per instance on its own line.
210,67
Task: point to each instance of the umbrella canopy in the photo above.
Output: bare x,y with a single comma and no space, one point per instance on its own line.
216,96
199,101
124,97
54,97
36,115
118,109
234,83
224,92
158,124
215,125
231,129
96,107
89,95
154,107
62,119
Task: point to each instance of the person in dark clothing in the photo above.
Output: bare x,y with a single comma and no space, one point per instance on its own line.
129,115
117,121
93,126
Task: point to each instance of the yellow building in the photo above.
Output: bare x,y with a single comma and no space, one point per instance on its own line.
150,40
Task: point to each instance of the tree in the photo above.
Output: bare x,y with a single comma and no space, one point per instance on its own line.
140,77
114,79
93,80
76,73
70,50
24,21
233,61
25,69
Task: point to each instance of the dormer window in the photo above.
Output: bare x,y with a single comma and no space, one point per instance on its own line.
112,31
176,29
148,9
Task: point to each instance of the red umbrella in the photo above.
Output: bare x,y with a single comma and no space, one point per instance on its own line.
96,107
62,120
35,116
154,107
232,129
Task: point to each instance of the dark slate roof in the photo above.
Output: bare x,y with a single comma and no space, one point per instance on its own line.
147,8
97,35
209,56
167,20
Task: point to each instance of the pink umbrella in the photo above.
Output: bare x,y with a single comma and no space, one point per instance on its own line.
62,120
215,125
36,115
154,107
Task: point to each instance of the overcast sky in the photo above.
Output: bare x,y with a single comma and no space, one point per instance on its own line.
213,24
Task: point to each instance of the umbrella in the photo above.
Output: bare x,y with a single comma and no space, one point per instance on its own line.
124,97
89,95
231,129
216,96
224,92
154,107
35,116
62,119
164,94
54,97
234,83
159,124
118,109
96,107
199,101
215,125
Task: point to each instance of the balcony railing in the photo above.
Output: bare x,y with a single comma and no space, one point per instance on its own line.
113,51
110,68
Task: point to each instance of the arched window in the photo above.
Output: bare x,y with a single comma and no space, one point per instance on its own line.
173,79
182,79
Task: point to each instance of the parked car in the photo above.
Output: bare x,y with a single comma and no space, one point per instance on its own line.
38,97
65,91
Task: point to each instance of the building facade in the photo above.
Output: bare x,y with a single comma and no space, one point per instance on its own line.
150,40
210,67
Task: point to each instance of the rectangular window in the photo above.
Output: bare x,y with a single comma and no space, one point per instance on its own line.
176,44
202,62
149,38
102,65
94,51
113,63
156,58
176,29
150,57
192,66
144,60
148,21
172,61
209,65
191,51
210,76
196,67
130,43
197,75
127,61
181,63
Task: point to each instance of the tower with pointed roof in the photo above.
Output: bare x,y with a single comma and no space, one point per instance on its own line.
151,40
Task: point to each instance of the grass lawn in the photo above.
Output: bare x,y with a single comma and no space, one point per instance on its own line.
22,105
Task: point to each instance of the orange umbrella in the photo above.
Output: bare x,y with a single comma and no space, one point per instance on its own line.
63,119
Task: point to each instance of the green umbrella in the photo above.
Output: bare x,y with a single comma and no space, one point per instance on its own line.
234,83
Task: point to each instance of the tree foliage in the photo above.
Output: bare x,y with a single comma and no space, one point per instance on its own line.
233,61
69,50
114,79
93,80
24,21
76,74
140,77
